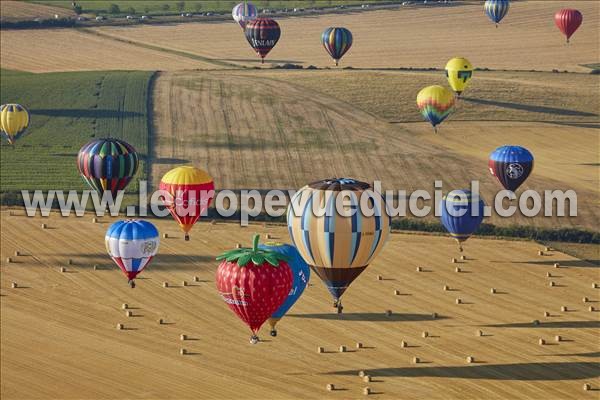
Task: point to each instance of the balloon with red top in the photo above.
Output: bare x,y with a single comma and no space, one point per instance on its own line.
568,21
254,283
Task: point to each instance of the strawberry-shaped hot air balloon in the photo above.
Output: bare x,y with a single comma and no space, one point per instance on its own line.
187,192
435,104
338,244
132,244
568,20
254,283
301,274
107,165
262,34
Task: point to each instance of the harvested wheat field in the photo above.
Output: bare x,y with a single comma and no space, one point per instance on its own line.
263,131
414,36
53,50
21,10
59,336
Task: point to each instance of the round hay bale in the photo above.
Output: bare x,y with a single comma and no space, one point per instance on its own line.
388,313
591,309
556,265
44,226
320,350
184,283
124,306
563,308
540,253
458,301
96,267
379,277
196,279
425,334
397,292
548,275
238,245
457,269
269,236
330,387
542,342
182,337
493,290
8,260
359,345
342,349
587,386
585,299
403,344
478,333
434,315
463,258
128,313
446,288
453,261
119,326
182,352
535,322
366,378
213,222
416,360
551,283
361,373
165,284
70,262
594,286
160,321
94,220
546,248
14,285
367,391
419,269
558,338
470,360
17,253
63,269
165,235
546,314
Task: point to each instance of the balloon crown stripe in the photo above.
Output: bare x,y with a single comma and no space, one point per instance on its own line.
253,255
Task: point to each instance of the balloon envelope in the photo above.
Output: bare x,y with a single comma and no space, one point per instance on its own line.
107,164
511,165
188,193
459,72
496,9
300,272
337,41
568,20
244,12
262,34
337,247
14,120
462,213
132,244
435,103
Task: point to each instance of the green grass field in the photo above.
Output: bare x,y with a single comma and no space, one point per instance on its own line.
68,110
156,7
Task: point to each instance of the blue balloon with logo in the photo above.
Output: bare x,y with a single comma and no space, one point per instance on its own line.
462,213
301,273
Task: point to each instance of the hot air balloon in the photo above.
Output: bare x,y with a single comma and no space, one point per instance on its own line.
496,10
301,275
459,72
244,12
14,120
337,41
262,34
107,164
254,283
188,192
568,20
337,246
511,165
462,214
132,244
435,103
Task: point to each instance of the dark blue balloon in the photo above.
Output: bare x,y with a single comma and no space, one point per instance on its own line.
511,165
300,271
461,216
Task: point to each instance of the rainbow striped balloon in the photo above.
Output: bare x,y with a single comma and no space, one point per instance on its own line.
337,41
435,103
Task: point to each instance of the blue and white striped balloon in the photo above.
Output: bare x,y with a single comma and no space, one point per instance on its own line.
496,10
243,13
132,244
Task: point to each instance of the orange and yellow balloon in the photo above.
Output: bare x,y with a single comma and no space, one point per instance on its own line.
14,120
188,193
435,103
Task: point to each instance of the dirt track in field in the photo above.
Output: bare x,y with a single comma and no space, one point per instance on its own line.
21,10
59,336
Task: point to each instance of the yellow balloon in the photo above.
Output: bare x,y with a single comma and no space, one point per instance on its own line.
459,72
14,119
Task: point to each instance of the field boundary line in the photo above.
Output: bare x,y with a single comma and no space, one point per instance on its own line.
180,53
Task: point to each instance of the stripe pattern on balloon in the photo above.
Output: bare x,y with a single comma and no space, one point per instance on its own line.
337,41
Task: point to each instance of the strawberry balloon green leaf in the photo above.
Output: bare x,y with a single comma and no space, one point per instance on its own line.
255,255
